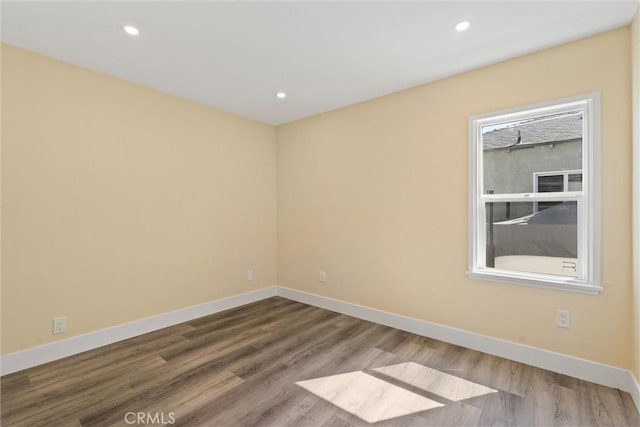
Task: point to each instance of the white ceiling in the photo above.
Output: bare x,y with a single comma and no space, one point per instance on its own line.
325,55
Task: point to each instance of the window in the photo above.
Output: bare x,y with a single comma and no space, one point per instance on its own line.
550,182
542,231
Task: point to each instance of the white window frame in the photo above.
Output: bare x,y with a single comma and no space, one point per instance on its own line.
588,222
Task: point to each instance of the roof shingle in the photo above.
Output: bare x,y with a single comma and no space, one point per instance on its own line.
548,129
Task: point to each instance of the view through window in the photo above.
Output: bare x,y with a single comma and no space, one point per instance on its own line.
532,194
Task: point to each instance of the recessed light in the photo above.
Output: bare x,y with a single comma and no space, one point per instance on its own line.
281,95
131,30
462,26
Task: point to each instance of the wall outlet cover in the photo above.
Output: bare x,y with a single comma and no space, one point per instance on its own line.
60,325
563,318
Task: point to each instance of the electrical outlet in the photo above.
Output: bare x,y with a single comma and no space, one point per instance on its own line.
323,276
60,325
563,318
249,274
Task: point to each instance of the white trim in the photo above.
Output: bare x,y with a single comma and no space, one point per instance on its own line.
527,279
635,390
598,373
34,356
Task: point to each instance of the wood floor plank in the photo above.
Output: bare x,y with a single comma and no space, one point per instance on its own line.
47,408
240,368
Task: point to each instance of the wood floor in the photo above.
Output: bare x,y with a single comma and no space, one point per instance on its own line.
240,368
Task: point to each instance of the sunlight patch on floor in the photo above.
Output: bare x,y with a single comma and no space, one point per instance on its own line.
367,397
436,382
373,399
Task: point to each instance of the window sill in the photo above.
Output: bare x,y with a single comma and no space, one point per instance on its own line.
567,285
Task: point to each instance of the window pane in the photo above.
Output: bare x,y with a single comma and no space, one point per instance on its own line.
550,183
575,182
539,242
514,151
544,205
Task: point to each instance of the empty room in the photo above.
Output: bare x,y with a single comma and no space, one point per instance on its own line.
320,213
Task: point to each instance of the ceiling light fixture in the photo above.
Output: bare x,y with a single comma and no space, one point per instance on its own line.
131,30
462,26
281,95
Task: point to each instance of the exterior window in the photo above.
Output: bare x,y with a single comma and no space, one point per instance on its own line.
550,182
542,231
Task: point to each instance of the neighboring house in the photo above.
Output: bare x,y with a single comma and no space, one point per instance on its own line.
542,155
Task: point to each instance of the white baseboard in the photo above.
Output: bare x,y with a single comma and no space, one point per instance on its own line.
598,373
635,390
18,361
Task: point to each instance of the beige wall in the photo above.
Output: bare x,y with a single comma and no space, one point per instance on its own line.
120,202
1,347
635,58
376,195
